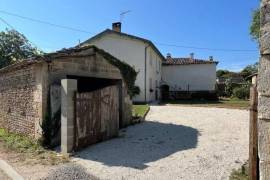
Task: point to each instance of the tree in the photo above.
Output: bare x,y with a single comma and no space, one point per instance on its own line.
249,70
226,74
221,73
255,25
14,47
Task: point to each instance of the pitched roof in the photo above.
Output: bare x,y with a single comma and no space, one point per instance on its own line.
186,61
109,31
48,57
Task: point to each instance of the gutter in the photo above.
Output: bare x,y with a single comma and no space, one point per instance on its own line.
145,71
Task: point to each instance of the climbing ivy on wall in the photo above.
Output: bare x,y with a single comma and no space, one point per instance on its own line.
50,125
129,74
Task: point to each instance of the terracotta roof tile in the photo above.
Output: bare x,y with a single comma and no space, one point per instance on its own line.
186,61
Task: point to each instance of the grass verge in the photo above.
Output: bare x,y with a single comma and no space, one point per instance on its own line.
139,110
29,149
222,103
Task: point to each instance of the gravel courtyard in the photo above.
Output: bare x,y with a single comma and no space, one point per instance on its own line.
175,142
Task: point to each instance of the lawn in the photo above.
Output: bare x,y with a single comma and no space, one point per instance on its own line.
139,110
222,103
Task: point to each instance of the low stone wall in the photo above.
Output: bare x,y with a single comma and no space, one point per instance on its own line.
20,100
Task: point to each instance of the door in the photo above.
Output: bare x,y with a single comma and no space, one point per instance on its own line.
97,116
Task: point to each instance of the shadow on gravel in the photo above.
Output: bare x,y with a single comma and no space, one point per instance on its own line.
141,144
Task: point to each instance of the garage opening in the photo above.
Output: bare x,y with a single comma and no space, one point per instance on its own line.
88,84
97,110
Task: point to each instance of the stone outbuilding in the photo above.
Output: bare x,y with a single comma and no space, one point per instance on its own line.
77,90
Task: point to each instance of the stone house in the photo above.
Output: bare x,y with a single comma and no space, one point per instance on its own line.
77,82
139,53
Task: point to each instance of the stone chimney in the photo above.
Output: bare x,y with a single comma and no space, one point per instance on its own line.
191,56
169,56
211,58
116,26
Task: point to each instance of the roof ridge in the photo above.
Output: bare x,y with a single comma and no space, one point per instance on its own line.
128,35
186,61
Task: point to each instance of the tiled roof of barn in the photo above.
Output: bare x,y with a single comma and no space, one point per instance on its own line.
186,61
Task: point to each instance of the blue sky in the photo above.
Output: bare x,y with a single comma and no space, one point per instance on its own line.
218,24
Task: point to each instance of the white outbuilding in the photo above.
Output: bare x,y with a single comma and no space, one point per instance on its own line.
189,74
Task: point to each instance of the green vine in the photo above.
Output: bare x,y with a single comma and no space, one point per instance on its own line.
129,74
50,125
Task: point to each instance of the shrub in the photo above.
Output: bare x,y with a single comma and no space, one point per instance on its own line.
241,92
229,87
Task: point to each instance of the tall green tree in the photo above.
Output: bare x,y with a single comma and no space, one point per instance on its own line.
15,47
249,70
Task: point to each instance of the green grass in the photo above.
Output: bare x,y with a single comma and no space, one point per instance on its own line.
19,143
222,103
139,110
29,148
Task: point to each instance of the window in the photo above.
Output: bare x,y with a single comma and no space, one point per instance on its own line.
150,83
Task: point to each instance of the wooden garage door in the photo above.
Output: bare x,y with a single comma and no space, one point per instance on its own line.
97,116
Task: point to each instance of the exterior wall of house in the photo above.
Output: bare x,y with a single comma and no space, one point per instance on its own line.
154,64
132,52
21,108
195,77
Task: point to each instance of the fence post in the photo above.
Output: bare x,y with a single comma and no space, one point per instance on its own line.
253,132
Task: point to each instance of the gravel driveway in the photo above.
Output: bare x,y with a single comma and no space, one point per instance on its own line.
175,142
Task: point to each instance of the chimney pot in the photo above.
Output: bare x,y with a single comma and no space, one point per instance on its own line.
169,55
116,26
191,56
211,58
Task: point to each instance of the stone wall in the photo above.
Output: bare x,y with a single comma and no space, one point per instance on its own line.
264,93
20,100
25,88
